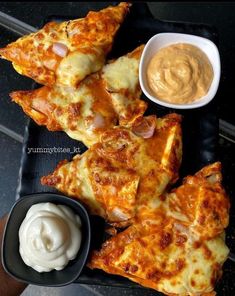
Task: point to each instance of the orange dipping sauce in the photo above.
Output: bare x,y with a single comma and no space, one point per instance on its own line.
180,73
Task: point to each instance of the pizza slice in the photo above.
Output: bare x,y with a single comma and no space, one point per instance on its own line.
107,191
201,202
156,253
118,175
152,146
85,112
65,53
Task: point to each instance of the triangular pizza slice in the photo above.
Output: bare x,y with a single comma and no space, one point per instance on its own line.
157,253
65,53
85,112
117,175
201,202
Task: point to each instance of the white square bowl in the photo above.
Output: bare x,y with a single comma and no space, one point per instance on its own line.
161,40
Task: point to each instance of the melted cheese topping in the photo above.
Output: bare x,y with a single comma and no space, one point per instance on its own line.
122,81
162,251
87,41
83,113
77,65
122,74
122,173
76,176
201,202
86,111
156,260
105,191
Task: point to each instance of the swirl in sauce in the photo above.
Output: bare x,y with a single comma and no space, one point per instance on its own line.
49,237
180,73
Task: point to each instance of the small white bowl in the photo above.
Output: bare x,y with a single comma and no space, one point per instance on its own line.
165,39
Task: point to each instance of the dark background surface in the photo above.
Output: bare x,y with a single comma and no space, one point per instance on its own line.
222,15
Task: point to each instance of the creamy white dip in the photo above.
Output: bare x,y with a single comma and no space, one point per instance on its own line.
49,237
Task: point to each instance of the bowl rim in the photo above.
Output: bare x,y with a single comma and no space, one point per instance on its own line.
202,101
88,239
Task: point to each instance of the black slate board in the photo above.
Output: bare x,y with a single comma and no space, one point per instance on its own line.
200,127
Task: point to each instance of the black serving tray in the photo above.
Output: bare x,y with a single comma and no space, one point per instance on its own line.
200,127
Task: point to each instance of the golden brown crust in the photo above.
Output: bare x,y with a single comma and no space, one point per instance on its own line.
34,57
85,112
174,242
162,252
121,175
202,201
35,104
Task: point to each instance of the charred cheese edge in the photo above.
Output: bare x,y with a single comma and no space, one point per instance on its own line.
174,270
